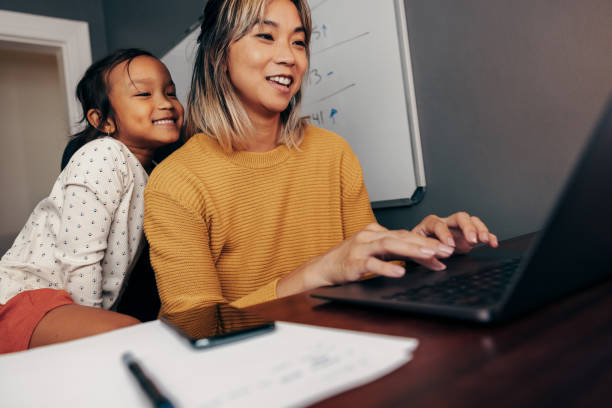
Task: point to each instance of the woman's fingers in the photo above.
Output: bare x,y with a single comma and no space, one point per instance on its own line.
436,226
460,231
464,222
463,246
433,263
371,249
402,244
493,240
435,238
392,270
379,252
481,228
374,265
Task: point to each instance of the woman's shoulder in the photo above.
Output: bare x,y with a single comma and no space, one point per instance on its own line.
177,165
322,139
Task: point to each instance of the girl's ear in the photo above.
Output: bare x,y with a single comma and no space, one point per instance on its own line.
93,117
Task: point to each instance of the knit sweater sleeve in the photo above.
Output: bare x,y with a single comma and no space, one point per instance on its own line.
356,208
185,271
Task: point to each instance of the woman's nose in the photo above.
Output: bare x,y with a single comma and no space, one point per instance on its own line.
284,54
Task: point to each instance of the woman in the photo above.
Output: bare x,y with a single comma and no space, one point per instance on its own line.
258,204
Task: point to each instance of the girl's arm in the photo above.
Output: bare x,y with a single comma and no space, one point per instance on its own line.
94,183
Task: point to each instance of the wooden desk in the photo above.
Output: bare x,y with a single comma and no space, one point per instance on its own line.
558,356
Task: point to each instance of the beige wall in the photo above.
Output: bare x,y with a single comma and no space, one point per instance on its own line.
33,133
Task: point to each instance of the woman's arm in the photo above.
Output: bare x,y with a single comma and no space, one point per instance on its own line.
371,249
183,256
185,272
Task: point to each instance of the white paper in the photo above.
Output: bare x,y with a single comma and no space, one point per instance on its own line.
295,365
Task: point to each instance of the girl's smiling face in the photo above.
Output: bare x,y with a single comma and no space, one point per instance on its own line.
147,113
267,65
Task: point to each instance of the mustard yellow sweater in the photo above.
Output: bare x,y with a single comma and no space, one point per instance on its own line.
224,228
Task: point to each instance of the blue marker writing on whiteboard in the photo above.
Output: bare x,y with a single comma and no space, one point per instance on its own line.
332,114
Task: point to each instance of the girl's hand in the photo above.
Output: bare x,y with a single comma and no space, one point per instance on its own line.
460,230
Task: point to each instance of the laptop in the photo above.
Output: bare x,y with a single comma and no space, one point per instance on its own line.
570,253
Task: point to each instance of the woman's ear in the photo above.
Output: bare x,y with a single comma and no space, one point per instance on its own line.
93,117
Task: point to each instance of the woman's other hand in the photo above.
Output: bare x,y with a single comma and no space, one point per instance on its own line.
460,230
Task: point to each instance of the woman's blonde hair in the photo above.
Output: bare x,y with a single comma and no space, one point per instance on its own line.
213,105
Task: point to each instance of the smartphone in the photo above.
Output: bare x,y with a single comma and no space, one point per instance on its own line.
251,325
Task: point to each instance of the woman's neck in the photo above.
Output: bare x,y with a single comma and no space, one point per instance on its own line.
265,137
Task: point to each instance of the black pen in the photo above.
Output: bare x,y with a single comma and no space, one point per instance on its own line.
158,399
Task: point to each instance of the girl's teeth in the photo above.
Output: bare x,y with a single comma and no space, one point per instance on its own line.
163,122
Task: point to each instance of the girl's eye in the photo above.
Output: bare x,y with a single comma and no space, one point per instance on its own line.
173,93
300,43
265,36
143,94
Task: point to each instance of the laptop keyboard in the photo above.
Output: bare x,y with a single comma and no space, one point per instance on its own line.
482,287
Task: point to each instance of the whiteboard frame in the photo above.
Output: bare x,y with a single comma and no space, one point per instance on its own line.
412,114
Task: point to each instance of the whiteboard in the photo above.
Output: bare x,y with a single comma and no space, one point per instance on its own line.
359,85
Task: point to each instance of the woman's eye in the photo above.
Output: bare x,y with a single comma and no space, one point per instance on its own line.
266,36
173,93
300,43
143,94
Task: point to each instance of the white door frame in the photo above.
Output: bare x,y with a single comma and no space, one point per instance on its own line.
67,39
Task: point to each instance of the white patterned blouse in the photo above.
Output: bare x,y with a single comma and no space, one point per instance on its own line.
86,236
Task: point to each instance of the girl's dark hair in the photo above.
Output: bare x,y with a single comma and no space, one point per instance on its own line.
92,90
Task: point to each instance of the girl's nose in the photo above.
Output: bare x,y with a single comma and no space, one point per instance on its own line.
163,102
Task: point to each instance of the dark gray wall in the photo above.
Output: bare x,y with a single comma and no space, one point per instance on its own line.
90,11
155,25
507,92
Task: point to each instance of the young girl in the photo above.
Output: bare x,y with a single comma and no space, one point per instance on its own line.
68,266
258,204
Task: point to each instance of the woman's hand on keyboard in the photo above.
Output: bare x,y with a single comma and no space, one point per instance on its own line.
460,230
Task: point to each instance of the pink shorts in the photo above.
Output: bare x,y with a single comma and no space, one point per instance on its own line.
22,313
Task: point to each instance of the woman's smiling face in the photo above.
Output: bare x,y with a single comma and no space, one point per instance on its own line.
267,65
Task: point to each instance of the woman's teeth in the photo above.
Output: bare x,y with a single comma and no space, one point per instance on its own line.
281,80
